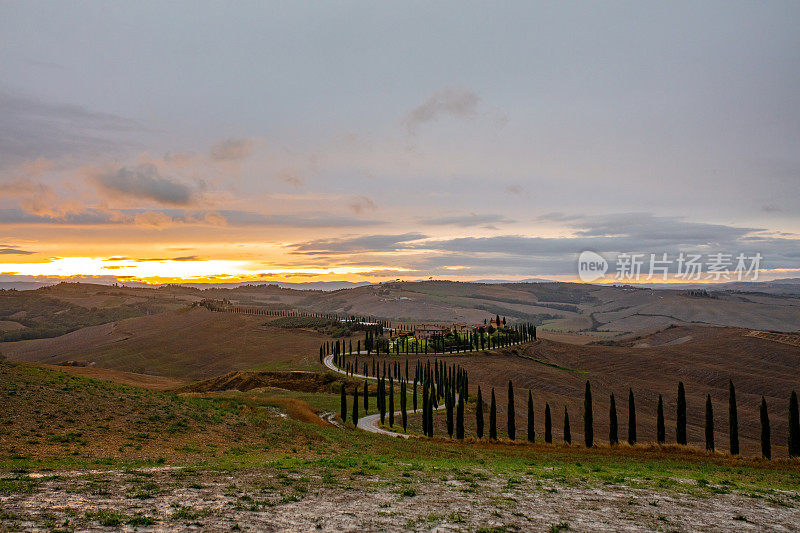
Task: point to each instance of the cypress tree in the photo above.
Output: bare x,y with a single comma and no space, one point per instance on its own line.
391,402
613,433
631,418
366,395
449,407
588,417
661,432
709,425
460,418
512,423
493,418
414,395
479,415
733,419
431,401
344,404
355,407
425,408
531,428
382,398
548,425
567,432
794,426
403,401
766,444
680,430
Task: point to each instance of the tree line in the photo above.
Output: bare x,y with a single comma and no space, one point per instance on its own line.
439,383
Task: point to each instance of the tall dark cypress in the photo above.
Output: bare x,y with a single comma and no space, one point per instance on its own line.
794,426
382,398
733,419
344,404
631,418
391,402
512,423
588,417
355,407
531,428
366,395
661,431
613,432
431,401
460,417
403,402
567,432
680,428
493,418
414,394
548,425
479,415
449,407
425,408
766,444
709,424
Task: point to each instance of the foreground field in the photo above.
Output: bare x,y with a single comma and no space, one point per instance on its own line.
97,455
370,495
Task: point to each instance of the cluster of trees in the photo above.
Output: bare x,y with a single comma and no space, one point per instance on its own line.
375,343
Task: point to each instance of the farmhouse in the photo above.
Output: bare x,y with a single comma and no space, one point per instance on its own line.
426,331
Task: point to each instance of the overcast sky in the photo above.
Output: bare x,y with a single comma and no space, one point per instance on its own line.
373,140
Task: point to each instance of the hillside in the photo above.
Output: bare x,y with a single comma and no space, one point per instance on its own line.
189,343
703,358
602,311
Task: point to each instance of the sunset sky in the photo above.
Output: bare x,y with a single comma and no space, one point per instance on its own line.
293,141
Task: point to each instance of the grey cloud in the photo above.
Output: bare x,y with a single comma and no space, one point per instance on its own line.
646,227
361,203
361,244
7,250
145,182
447,102
530,255
231,149
467,220
164,217
31,129
303,220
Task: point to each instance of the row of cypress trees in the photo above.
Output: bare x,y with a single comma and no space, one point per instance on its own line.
680,429
451,384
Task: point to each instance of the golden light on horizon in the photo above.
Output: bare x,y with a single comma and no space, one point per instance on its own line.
172,271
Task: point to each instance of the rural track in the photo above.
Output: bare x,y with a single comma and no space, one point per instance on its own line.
370,422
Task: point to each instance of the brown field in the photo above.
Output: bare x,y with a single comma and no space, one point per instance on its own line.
191,343
556,373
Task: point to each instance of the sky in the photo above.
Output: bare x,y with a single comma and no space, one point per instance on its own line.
367,141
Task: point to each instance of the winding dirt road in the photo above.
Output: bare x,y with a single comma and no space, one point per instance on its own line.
370,422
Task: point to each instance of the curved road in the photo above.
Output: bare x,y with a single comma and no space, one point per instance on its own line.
370,422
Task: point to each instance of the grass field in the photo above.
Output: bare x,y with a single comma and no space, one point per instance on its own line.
246,457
